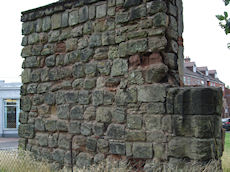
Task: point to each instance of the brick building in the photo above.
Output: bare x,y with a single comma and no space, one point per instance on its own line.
198,76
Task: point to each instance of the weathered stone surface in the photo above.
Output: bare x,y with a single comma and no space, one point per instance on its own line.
23,117
134,121
157,43
116,131
101,11
95,40
104,67
26,131
119,114
117,148
83,97
86,129
84,160
78,141
62,125
73,18
156,6
98,129
156,73
46,23
120,67
58,155
50,125
101,53
25,104
130,3
78,70
122,17
142,150
74,127
134,136
39,124
76,113
63,111
56,21
53,140
42,140
152,122
137,12
103,114
91,144
103,145
135,77
153,93
97,97
64,141
83,14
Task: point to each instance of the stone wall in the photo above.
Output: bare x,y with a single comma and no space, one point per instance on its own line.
100,80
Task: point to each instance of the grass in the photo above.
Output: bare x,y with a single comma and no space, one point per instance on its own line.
17,161
226,155
20,161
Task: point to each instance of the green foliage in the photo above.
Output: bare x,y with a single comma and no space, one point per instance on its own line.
225,20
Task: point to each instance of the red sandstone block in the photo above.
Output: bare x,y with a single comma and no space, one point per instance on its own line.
60,47
155,58
134,61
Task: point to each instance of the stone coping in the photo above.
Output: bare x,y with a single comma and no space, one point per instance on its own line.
52,8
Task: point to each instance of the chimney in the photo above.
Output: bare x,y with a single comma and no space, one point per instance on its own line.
187,59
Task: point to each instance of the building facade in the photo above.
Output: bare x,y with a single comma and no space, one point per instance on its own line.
201,76
9,109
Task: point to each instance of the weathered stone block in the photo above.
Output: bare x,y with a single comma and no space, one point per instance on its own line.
102,145
78,70
78,141
39,124
26,131
83,14
134,121
58,155
130,3
74,127
117,148
156,6
134,136
120,67
157,44
53,140
56,21
83,97
91,144
104,67
152,122
50,125
156,73
103,114
98,129
101,11
153,93
142,150
63,111
138,12
84,160
73,18
43,139
64,141
62,125
116,131
76,113
119,114
86,129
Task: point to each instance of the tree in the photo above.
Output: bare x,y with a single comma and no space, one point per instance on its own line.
225,20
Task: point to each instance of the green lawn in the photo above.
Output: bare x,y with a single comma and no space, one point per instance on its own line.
226,155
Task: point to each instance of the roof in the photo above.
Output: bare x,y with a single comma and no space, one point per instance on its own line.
204,68
189,64
212,72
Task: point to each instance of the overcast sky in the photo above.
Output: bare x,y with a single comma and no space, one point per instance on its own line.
205,43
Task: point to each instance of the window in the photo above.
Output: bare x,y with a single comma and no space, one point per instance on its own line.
188,81
11,113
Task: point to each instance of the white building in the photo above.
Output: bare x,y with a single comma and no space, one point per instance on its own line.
9,108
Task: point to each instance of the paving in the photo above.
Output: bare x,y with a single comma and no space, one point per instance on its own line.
8,143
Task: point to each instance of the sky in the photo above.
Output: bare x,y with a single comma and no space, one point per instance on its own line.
204,41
